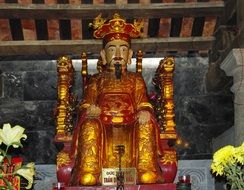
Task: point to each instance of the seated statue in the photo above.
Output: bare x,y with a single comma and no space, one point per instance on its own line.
115,111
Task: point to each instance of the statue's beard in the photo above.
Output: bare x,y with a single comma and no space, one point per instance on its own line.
118,70
117,67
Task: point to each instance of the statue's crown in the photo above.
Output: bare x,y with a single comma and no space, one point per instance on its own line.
116,28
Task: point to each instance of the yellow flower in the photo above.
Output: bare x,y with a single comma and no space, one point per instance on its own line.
218,169
224,154
11,136
221,158
239,154
27,172
229,162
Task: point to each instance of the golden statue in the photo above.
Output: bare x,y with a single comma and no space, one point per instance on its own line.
115,111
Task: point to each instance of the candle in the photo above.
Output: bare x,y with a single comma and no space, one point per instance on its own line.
185,179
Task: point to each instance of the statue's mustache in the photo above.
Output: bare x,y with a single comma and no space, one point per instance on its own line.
116,59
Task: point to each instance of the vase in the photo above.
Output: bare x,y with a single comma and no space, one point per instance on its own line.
169,171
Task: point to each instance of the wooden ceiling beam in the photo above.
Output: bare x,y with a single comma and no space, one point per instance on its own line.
145,21
28,25
5,32
53,28
165,24
88,11
59,47
76,24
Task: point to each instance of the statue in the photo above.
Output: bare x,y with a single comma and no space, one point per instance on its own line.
115,111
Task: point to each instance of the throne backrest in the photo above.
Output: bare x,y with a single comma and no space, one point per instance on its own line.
101,67
162,99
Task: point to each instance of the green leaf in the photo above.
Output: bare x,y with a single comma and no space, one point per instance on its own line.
3,187
8,184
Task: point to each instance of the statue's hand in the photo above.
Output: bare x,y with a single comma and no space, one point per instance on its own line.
93,111
143,117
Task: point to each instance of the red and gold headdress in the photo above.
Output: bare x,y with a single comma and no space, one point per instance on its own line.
116,28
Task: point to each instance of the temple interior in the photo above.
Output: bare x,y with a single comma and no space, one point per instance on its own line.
205,37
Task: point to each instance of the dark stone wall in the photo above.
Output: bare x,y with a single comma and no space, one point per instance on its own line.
29,96
200,115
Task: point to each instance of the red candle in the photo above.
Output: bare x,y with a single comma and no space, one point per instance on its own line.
185,179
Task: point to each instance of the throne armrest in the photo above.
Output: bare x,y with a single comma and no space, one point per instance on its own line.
164,109
163,81
65,101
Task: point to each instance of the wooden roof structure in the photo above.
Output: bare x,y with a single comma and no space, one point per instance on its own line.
55,27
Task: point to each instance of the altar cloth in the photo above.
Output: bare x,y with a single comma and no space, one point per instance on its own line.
169,186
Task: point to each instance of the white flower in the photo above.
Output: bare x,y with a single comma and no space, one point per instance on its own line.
11,136
27,172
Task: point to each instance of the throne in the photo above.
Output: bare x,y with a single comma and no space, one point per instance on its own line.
66,113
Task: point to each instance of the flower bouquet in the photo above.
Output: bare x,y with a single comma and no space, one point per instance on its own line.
229,162
11,169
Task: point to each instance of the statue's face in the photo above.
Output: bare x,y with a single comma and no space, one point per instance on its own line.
117,51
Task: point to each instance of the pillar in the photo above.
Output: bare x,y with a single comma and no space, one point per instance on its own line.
233,65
